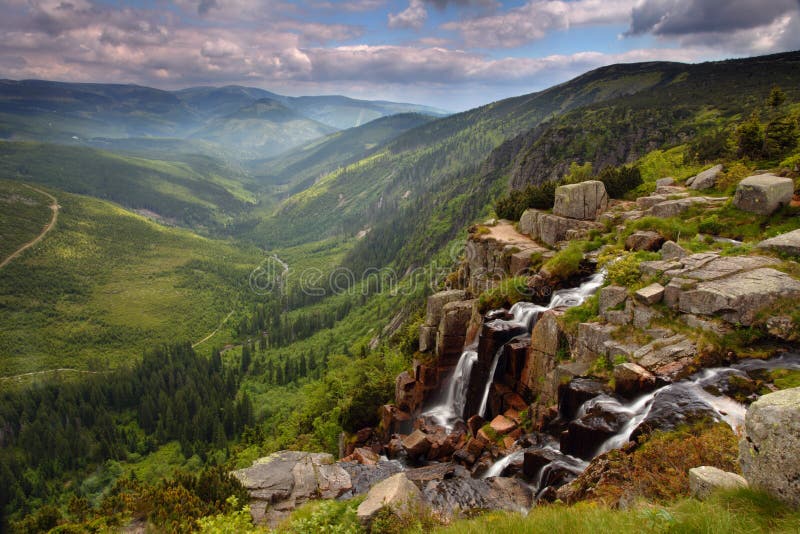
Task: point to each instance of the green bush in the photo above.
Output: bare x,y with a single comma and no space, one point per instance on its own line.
566,262
620,180
514,203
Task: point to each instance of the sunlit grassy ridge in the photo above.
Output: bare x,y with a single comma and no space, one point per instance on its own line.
106,283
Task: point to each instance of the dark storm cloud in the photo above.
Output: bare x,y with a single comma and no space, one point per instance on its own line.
683,17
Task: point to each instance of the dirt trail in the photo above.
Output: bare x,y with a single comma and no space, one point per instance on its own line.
34,373
209,336
54,207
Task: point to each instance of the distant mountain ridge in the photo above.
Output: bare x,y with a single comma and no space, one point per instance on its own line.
248,122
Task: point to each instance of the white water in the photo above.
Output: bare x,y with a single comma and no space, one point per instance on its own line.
453,406
492,369
497,467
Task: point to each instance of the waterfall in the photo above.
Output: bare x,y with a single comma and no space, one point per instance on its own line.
497,468
453,406
492,369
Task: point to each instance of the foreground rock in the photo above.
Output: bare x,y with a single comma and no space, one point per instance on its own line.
284,480
584,201
788,243
769,454
396,492
451,498
705,480
706,179
763,194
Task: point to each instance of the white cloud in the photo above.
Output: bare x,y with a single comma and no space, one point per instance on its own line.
413,17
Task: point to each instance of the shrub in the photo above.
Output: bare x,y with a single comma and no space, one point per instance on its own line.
620,180
624,270
566,262
508,292
514,203
780,136
749,138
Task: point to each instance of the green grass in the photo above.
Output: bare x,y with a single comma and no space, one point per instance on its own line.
743,511
23,214
106,283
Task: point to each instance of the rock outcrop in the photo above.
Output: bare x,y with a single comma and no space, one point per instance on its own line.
397,493
763,194
769,454
284,480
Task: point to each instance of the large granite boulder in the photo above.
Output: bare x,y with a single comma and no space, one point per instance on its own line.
453,328
284,480
397,493
769,454
528,222
706,479
584,201
763,194
644,240
553,229
788,243
706,179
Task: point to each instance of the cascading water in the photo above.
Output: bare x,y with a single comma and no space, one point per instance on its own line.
453,406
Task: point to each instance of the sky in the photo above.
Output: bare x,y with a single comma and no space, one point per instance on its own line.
452,54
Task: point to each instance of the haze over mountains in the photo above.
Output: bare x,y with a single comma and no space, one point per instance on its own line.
247,122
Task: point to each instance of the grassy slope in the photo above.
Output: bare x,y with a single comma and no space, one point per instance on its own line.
23,214
106,283
199,194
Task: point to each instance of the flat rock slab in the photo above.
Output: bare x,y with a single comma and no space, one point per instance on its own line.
651,294
763,194
706,479
788,243
739,297
584,201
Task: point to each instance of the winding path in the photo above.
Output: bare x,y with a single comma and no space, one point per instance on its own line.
209,336
46,371
54,207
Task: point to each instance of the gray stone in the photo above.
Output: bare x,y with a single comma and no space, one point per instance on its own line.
584,201
706,179
454,497
670,250
528,223
278,483
538,372
669,180
553,228
672,191
591,340
651,294
667,357
739,297
396,492
673,208
705,480
769,455
436,303
453,327
644,315
650,201
788,243
763,194
644,240
612,297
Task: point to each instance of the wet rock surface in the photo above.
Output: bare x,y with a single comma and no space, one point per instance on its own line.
672,406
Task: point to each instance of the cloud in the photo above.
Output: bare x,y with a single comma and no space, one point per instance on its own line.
413,17
353,6
536,19
682,17
442,4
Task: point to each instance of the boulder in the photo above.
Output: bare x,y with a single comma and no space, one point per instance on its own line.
591,341
671,357
788,243
672,251
663,182
396,492
763,194
584,201
280,482
706,479
407,393
453,329
644,240
602,418
612,297
651,294
769,454
706,179
739,297
365,456
649,201
631,379
416,444
574,393
502,425
363,477
673,208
